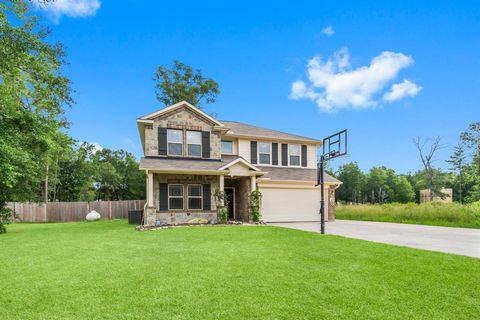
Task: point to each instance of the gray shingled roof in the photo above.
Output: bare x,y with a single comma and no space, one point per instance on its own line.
185,164
250,130
295,174
179,164
273,173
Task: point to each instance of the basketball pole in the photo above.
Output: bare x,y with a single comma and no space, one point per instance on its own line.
331,149
322,196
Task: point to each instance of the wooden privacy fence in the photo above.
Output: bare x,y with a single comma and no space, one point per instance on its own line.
73,211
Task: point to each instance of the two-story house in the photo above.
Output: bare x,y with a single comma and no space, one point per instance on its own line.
189,155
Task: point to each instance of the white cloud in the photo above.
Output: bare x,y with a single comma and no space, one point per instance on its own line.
334,84
71,8
328,31
401,90
96,147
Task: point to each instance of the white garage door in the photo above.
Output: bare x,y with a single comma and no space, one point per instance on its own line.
282,205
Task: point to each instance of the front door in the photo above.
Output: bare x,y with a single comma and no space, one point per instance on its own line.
230,195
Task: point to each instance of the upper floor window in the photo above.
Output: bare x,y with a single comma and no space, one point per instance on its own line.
264,152
175,142
227,147
294,154
194,143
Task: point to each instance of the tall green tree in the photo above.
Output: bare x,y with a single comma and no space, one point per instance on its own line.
471,138
403,191
33,95
117,176
181,82
353,181
458,164
76,175
378,187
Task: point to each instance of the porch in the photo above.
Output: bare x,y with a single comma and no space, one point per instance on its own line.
178,198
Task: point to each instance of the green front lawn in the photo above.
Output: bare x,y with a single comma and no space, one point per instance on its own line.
107,270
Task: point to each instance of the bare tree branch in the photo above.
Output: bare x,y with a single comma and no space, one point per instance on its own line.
428,157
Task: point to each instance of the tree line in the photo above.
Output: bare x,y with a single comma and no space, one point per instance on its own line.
39,161
384,185
86,173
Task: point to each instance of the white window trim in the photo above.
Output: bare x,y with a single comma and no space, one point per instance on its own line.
168,142
176,197
195,144
195,197
258,154
231,141
299,155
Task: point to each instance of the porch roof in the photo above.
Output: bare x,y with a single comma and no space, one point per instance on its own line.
296,174
158,163
214,167
187,164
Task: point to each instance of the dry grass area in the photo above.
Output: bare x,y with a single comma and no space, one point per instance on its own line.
435,214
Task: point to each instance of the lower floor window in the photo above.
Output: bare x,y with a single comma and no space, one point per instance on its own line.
175,196
195,196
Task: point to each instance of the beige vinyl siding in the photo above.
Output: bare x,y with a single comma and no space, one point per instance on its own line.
311,156
280,154
234,145
244,149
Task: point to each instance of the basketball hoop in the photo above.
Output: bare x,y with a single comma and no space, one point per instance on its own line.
334,146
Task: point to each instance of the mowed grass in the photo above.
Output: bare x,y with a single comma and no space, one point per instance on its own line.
107,270
435,214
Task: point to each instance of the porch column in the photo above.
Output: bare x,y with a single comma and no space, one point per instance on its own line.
253,183
150,189
222,187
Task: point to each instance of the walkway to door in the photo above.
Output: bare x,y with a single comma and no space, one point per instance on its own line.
461,241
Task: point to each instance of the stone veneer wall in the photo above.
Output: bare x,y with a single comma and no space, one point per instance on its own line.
331,204
242,191
183,216
181,118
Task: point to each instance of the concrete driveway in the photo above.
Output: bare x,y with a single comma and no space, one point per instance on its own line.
444,239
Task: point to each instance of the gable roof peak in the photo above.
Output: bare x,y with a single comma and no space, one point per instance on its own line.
177,105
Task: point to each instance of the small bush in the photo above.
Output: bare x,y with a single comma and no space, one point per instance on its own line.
222,210
432,213
255,200
223,214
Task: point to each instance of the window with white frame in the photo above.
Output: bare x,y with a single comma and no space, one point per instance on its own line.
175,197
264,152
175,142
227,147
194,143
194,196
294,154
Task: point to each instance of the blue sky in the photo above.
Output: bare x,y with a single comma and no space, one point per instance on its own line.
256,52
